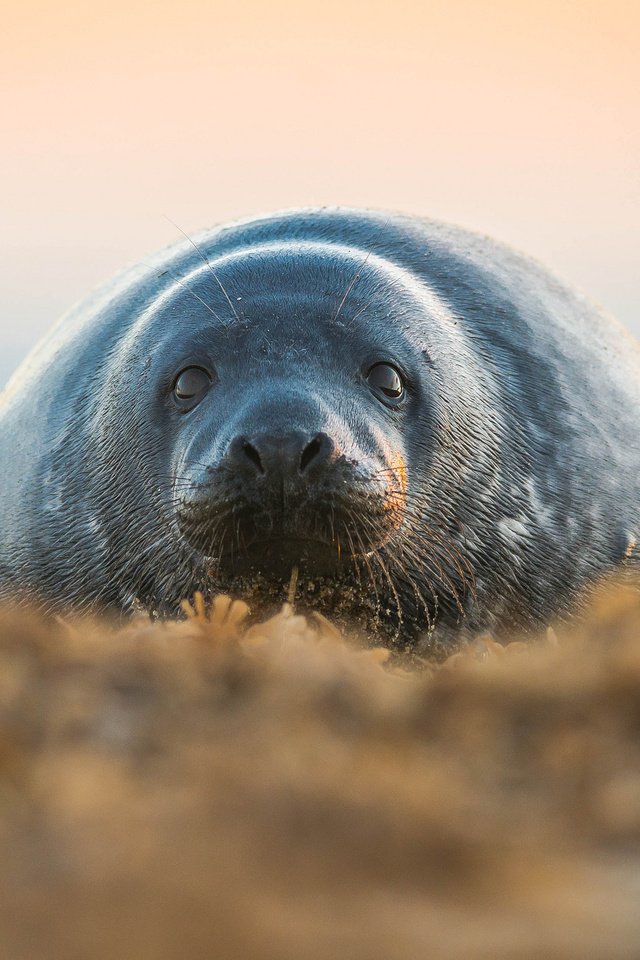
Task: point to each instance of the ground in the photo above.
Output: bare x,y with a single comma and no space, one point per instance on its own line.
207,790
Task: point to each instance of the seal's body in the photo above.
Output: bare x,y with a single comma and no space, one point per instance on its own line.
432,428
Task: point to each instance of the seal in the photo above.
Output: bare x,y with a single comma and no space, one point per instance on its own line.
434,432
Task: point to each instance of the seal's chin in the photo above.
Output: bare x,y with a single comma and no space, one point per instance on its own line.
275,558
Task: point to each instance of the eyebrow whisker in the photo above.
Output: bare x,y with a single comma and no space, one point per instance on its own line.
354,280
207,262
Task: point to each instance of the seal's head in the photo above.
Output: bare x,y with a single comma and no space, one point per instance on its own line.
288,443
293,415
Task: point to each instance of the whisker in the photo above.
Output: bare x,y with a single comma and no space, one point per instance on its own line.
192,293
354,280
206,261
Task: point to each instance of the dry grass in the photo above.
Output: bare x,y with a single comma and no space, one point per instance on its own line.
200,790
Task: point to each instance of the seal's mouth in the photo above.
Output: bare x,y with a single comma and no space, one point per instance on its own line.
275,557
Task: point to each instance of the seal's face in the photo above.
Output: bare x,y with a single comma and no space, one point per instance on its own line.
288,434
284,423
291,417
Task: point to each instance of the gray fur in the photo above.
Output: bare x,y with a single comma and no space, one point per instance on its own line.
522,441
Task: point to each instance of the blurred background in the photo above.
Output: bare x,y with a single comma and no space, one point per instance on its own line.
518,119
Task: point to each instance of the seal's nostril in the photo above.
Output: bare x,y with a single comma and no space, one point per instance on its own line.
252,454
309,453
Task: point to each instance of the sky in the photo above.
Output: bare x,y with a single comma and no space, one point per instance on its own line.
122,119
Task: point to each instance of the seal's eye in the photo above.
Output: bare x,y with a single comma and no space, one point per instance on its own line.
191,383
386,379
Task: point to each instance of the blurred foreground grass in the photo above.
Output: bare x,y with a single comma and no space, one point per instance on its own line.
202,790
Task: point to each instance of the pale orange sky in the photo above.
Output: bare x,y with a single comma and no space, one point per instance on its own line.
519,119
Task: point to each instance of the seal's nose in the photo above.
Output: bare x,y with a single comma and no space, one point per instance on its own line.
286,455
